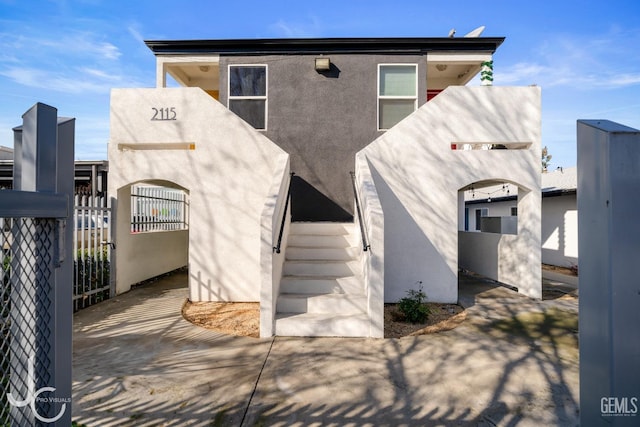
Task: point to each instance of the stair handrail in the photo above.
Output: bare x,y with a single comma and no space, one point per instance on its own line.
363,232
276,248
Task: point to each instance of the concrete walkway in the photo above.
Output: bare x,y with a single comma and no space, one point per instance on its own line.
137,362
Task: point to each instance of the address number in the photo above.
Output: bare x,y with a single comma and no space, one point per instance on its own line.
168,113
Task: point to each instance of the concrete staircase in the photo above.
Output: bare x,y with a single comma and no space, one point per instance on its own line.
322,290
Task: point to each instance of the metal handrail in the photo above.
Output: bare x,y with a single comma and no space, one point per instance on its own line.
365,245
276,248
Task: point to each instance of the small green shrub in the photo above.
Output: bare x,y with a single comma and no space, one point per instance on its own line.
413,307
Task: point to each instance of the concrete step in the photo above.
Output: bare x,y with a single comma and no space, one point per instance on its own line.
322,228
320,241
320,268
344,304
321,325
333,254
321,285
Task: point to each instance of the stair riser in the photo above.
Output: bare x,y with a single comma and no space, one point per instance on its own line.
316,241
322,228
301,268
352,327
342,304
333,254
342,285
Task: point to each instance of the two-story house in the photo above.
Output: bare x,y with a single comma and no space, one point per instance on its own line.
322,250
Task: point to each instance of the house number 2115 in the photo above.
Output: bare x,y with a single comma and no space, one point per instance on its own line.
168,113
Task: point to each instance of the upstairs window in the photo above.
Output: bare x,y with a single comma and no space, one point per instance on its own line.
248,93
397,93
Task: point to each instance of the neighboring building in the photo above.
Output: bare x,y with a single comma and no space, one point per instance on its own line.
560,217
90,175
248,112
559,213
6,153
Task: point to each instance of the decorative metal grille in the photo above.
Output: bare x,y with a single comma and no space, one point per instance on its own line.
26,315
158,209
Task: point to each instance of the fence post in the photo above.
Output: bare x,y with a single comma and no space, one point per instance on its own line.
45,165
608,236
65,184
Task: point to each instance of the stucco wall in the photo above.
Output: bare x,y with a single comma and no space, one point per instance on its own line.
322,120
418,176
560,230
228,174
272,262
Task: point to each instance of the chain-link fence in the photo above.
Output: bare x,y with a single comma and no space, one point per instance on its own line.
28,257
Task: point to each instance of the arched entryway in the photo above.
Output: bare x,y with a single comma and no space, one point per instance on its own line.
152,231
496,233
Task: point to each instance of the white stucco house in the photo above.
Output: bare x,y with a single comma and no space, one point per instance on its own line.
560,217
322,250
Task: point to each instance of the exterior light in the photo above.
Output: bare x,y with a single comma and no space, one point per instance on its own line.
323,64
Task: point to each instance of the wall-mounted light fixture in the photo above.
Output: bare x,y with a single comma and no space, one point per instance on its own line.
323,63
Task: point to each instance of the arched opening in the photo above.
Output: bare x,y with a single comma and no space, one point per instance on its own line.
152,231
497,235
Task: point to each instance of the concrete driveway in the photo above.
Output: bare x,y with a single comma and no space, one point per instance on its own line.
137,362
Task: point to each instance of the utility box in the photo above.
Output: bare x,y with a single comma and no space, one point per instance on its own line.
609,248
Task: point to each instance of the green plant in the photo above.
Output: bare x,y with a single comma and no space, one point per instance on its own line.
413,306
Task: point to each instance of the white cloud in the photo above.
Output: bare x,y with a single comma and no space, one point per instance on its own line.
79,44
99,74
311,28
598,62
133,30
109,51
77,81
44,80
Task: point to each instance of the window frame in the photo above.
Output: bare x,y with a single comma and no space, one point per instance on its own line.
264,98
394,97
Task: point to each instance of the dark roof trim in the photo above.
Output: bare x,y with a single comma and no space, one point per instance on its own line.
556,193
493,200
407,46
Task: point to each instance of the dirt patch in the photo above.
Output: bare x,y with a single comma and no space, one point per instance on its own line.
558,294
443,317
243,318
232,318
569,271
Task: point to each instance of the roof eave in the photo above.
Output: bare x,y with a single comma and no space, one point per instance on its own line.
324,46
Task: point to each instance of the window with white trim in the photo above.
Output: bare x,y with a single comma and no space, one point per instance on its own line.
397,93
248,93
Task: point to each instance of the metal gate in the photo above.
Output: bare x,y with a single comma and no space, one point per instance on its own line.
36,274
93,276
